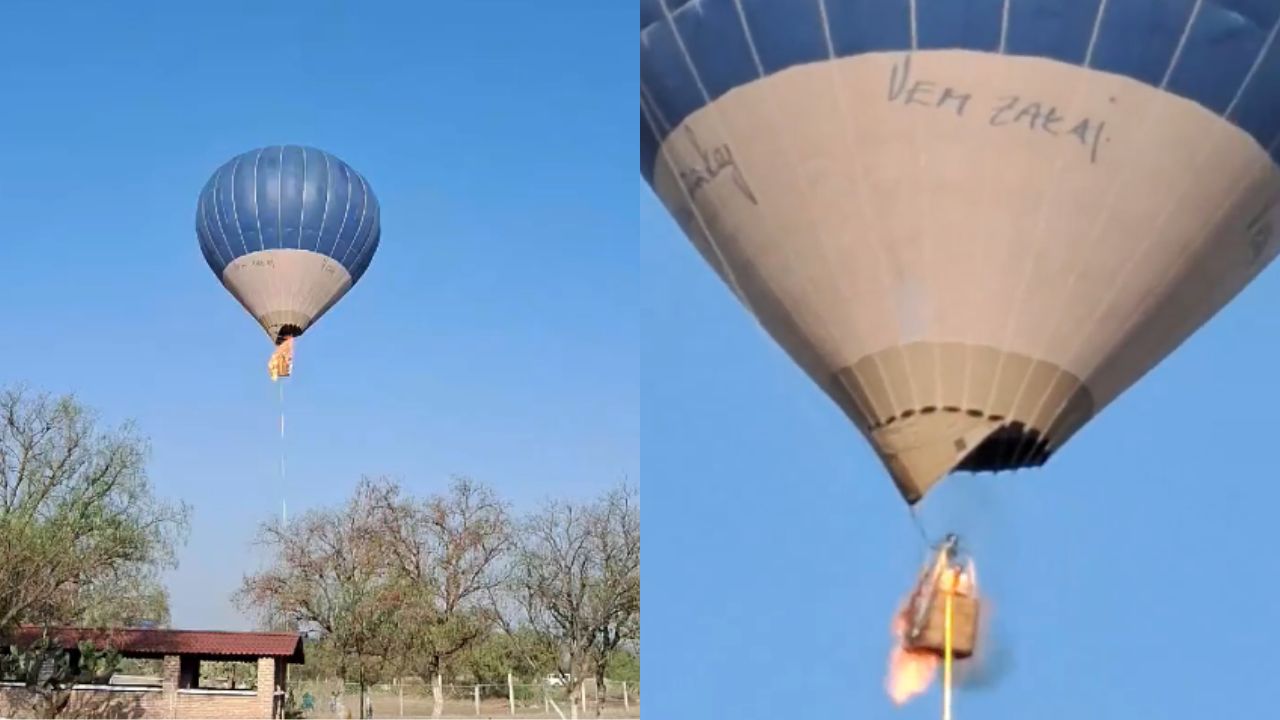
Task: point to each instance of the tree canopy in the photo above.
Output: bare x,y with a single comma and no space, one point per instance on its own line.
83,537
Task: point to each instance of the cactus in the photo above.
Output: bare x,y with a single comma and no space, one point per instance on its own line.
48,671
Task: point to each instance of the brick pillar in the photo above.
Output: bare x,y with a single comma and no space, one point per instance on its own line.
169,684
266,687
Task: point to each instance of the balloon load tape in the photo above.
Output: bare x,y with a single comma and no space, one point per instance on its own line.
946,574
281,363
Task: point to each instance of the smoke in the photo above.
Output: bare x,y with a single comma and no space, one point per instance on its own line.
977,509
993,659
970,506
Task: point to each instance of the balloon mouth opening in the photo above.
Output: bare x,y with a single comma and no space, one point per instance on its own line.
1011,447
287,332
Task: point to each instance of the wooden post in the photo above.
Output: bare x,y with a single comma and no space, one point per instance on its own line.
511,694
546,701
477,699
626,703
401,688
583,693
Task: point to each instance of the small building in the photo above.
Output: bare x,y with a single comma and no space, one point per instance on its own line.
162,676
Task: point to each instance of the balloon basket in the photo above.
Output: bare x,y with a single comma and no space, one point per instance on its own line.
944,605
964,626
281,363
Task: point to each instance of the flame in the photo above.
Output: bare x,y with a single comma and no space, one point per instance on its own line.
281,362
912,671
961,581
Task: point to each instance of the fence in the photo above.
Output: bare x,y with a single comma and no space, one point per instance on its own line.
411,698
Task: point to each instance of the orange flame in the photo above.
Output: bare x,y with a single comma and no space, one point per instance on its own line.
912,671
961,581
281,362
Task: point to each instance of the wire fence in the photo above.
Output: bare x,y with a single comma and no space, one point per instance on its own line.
411,698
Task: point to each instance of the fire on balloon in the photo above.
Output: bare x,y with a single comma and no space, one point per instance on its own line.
281,362
937,622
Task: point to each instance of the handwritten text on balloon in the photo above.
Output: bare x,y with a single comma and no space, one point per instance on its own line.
711,163
1019,111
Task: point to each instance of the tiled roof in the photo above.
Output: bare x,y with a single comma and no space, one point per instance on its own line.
150,641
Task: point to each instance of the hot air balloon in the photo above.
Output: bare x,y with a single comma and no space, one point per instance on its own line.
288,230
973,223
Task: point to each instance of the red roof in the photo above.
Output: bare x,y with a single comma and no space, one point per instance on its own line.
150,641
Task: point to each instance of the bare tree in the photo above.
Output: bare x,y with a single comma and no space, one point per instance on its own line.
329,577
81,534
447,551
615,597
577,582
390,582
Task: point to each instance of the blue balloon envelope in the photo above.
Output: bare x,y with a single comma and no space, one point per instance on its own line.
288,230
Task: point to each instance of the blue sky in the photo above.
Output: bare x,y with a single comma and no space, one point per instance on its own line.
1131,577
496,331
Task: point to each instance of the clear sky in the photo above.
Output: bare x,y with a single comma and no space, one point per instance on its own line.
1133,576
495,333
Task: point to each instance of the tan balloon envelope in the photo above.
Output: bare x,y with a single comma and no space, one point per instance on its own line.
970,282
